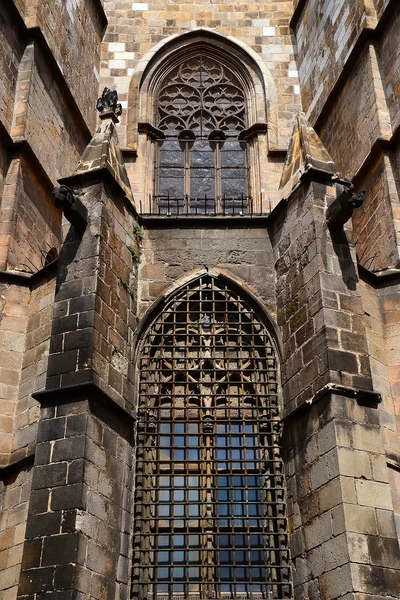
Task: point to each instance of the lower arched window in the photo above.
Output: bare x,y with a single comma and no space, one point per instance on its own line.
209,501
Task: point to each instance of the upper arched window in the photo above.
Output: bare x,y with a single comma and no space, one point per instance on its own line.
200,106
201,161
209,500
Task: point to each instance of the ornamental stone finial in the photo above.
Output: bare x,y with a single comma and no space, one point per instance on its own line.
108,103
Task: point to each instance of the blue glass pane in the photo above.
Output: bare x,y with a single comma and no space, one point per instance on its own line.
194,495
256,557
226,573
165,427
179,482
179,540
179,427
165,496
164,510
178,556
163,541
225,540
163,557
253,495
179,495
223,495
225,556
193,454
194,540
179,510
193,428
194,556
194,573
165,481
165,440
162,573
240,541
179,455
254,510
179,440
238,494
178,572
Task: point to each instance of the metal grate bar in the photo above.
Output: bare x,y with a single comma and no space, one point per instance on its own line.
210,500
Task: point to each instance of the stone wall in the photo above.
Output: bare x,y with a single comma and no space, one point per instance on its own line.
171,254
73,31
136,28
334,28
14,308
11,50
15,494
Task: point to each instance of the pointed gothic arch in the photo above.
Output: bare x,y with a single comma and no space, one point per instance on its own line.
210,500
240,67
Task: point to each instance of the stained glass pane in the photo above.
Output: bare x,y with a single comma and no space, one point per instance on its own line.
199,102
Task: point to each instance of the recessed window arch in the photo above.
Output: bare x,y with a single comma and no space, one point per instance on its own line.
202,175
210,516
201,161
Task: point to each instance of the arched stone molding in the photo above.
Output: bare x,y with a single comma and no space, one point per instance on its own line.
261,98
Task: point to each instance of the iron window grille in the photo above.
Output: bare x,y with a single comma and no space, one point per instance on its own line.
201,160
210,516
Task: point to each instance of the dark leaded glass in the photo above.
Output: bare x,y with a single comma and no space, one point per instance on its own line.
201,112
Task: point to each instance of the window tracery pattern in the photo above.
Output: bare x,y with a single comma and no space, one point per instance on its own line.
209,503
201,110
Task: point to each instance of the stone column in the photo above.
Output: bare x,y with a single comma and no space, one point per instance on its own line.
78,538
340,506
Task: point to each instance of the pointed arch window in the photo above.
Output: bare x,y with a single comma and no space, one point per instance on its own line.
201,160
209,501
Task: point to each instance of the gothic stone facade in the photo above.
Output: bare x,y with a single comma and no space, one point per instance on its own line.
88,283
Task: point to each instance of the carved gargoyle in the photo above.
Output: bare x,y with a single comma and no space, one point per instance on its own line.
341,210
108,101
72,207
